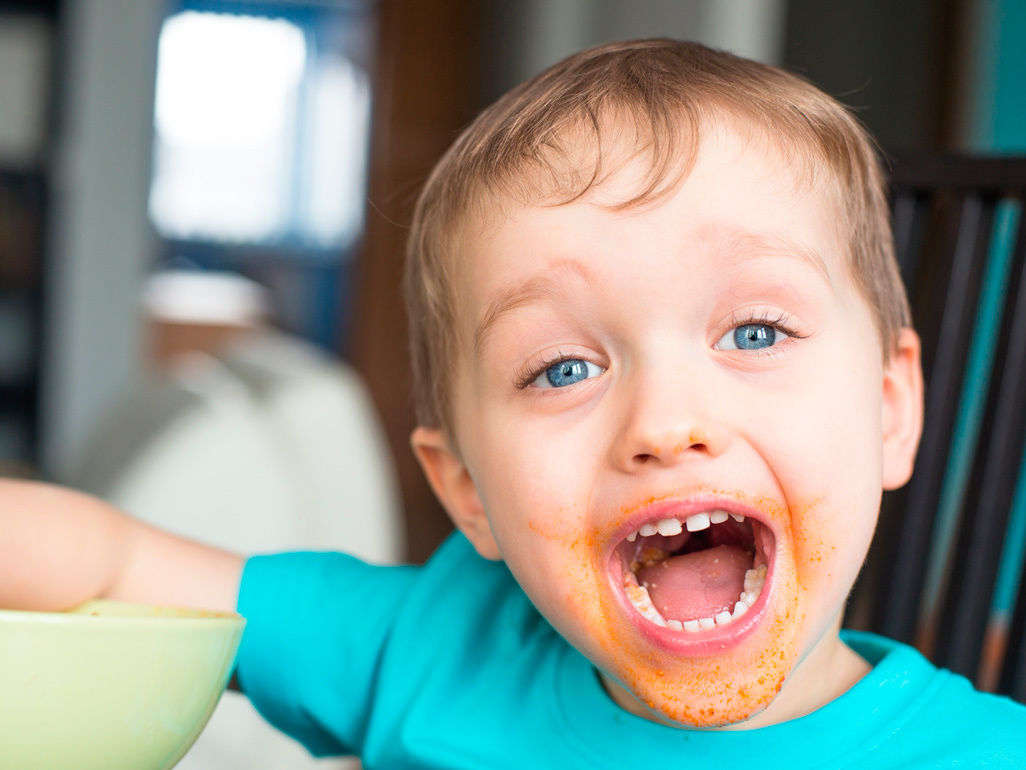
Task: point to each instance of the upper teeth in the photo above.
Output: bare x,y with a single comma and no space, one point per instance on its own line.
693,523
670,526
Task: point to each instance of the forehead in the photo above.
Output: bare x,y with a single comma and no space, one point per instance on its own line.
741,198
628,159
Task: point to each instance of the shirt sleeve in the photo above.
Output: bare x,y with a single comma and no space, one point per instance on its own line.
317,625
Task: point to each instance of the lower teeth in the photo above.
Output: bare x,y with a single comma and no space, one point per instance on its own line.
755,579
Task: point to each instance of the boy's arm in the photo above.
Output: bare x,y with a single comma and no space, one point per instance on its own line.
59,548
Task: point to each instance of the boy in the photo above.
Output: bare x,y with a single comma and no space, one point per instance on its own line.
664,369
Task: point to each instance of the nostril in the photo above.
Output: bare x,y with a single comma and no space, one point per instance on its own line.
656,453
680,449
639,448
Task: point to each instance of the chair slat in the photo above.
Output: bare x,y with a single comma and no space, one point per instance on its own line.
909,211
956,290
992,175
1012,681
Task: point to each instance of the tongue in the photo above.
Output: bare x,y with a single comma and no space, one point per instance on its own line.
697,585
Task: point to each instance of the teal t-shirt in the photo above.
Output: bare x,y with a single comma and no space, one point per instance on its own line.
450,666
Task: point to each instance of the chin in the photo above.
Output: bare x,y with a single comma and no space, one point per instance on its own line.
699,615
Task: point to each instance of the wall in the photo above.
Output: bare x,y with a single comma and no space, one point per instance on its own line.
900,65
997,115
525,36
100,238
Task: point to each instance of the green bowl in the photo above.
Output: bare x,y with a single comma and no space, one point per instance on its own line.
110,685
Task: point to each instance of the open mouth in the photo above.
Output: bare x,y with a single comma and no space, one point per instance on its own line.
696,572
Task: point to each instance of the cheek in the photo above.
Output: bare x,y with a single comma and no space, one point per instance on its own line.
827,437
827,460
533,475
535,495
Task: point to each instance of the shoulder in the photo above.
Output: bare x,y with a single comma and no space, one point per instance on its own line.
457,598
469,663
315,624
304,594
470,608
933,717
331,639
962,724
959,704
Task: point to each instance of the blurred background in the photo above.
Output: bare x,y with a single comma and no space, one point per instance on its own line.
203,205
284,142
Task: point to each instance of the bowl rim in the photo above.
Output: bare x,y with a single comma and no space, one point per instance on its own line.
81,615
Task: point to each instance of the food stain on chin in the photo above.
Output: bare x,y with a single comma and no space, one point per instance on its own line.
732,687
703,693
721,690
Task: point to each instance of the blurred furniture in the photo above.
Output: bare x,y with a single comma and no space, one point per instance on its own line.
26,43
205,311
417,111
945,571
22,211
267,446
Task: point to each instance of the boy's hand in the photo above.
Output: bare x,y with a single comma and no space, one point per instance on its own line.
59,548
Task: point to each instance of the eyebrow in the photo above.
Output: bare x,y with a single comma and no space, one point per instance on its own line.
554,284
739,246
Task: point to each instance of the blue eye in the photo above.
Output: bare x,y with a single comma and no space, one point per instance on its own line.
569,371
752,336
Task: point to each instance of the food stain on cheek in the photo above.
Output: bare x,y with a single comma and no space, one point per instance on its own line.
816,535
561,526
581,572
808,534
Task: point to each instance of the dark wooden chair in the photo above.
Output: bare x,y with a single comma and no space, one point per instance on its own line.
931,575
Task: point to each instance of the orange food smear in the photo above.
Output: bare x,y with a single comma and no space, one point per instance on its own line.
695,692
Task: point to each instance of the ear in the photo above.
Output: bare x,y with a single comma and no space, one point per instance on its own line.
455,489
902,412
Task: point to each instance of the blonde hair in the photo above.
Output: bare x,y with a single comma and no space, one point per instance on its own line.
528,146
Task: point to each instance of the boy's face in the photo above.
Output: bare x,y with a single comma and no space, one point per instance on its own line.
701,358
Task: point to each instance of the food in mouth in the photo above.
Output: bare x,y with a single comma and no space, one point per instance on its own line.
696,572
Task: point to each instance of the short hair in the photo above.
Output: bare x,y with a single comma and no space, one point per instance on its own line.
527,147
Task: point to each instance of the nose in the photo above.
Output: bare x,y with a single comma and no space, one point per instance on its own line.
669,419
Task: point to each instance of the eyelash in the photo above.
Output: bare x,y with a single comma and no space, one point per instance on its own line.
525,378
779,322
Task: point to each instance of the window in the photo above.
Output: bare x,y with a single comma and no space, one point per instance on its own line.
261,132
